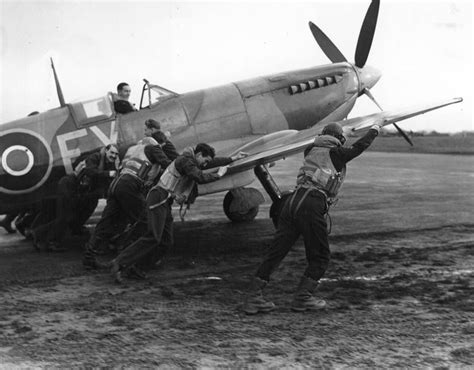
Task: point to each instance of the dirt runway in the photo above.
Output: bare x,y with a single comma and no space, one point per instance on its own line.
399,286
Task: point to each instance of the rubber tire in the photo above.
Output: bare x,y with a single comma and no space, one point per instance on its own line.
238,217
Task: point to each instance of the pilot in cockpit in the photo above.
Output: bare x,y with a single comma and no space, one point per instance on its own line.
121,103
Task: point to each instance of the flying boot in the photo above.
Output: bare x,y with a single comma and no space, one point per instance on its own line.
255,302
304,300
90,260
6,223
116,271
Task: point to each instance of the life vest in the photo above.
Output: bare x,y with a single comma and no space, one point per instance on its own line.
178,186
135,162
318,171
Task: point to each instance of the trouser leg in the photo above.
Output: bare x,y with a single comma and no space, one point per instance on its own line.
162,247
286,235
103,231
312,224
64,215
132,201
106,227
157,220
85,207
313,227
45,221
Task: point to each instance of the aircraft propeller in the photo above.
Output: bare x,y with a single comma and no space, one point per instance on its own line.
400,131
366,35
364,43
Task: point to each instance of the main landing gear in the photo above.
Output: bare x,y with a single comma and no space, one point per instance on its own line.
242,204
276,195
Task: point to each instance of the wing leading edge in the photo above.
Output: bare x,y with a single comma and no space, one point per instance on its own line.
296,142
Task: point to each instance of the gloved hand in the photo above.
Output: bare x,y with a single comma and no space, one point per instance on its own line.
222,171
376,127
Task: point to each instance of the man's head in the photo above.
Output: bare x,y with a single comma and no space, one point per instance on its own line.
335,129
124,91
151,126
204,153
111,152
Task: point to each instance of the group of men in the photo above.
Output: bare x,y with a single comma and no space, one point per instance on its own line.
137,221
76,199
75,188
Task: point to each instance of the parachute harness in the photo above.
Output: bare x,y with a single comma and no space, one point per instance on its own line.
183,210
329,203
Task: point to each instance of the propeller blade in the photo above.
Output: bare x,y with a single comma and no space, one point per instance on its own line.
367,92
366,34
400,131
327,46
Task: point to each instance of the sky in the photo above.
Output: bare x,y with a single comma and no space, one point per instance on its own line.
423,49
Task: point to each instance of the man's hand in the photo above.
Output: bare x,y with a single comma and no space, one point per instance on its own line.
222,171
102,151
81,165
238,156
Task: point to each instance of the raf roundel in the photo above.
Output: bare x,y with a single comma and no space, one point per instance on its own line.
25,161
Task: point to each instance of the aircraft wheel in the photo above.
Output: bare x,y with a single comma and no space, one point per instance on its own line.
277,207
238,216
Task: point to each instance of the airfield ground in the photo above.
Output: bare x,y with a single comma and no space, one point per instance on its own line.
399,287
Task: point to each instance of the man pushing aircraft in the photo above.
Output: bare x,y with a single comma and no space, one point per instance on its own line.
318,182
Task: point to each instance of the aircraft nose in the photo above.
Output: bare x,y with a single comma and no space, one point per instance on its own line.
369,77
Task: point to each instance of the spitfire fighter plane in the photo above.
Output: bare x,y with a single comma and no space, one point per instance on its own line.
268,117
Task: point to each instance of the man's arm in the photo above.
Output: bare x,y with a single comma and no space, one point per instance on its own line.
170,150
188,167
156,155
219,161
123,107
224,161
340,155
94,168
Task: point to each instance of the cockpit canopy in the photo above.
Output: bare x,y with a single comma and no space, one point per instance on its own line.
154,94
102,108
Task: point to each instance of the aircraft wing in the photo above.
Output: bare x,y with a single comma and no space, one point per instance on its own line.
290,142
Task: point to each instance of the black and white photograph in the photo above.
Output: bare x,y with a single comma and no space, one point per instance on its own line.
236,184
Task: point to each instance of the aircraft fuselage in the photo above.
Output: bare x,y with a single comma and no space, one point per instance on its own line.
36,151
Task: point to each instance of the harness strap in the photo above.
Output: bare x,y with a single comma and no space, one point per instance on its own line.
298,205
329,222
182,213
114,183
301,201
153,206
292,199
